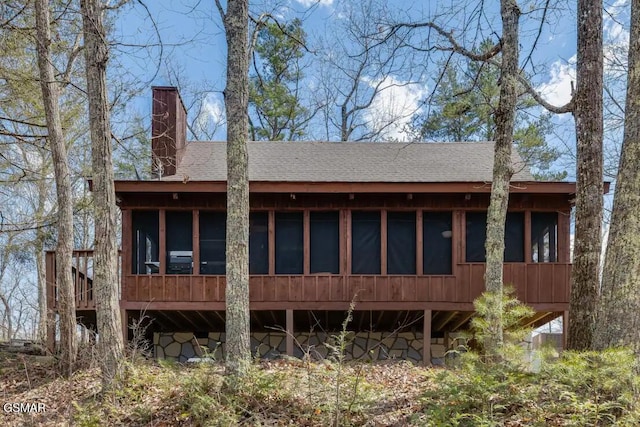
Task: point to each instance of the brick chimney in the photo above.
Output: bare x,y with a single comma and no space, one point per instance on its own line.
168,130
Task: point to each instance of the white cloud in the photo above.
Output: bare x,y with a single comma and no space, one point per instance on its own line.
309,3
557,90
211,117
393,107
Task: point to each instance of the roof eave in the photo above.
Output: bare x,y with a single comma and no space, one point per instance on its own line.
344,187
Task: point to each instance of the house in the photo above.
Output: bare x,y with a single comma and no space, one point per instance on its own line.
396,228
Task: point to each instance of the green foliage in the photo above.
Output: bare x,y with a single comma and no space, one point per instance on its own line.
578,389
490,306
462,108
274,86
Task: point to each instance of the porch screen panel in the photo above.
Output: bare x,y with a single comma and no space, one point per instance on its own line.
401,242
258,243
514,237
213,230
325,242
145,239
179,242
365,242
437,241
476,236
544,236
289,243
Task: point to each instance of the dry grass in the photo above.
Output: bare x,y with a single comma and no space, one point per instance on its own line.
598,389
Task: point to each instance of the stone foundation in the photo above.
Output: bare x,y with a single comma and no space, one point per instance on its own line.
181,346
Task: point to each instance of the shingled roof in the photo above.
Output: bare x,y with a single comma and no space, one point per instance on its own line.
348,162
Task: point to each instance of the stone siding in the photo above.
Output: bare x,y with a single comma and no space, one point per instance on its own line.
180,346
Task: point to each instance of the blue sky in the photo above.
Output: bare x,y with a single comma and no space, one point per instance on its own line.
194,43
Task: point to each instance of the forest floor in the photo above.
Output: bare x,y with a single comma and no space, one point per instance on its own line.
587,389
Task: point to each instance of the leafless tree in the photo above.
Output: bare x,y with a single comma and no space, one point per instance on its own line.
236,25
588,113
618,322
50,96
355,70
105,279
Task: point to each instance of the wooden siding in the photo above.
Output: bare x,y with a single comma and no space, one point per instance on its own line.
535,283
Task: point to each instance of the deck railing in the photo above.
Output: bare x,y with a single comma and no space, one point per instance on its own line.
82,270
535,283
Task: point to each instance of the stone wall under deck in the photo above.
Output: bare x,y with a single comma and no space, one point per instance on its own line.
180,346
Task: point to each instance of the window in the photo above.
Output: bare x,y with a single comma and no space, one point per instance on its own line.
325,242
258,243
365,242
401,242
145,253
212,242
289,243
477,235
437,236
514,237
544,236
179,242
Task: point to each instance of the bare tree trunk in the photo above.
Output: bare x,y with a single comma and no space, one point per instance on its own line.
236,21
105,280
619,310
589,201
38,248
64,248
502,169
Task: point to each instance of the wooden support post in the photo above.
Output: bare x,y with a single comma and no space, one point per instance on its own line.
195,241
419,244
272,243
348,242
426,339
162,219
306,241
125,327
289,332
383,242
527,237
565,328
51,331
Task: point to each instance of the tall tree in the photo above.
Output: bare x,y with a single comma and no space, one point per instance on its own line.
105,280
274,88
462,108
502,168
619,309
64,279
585,277
356,69
236,25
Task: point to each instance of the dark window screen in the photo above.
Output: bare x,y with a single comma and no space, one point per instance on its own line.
325,242
289,247
365,242
179,242
212,242
401,242
258,243
145,251
437,236
476,236
544,236
514,237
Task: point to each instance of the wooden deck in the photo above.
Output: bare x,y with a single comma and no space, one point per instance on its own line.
545,286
